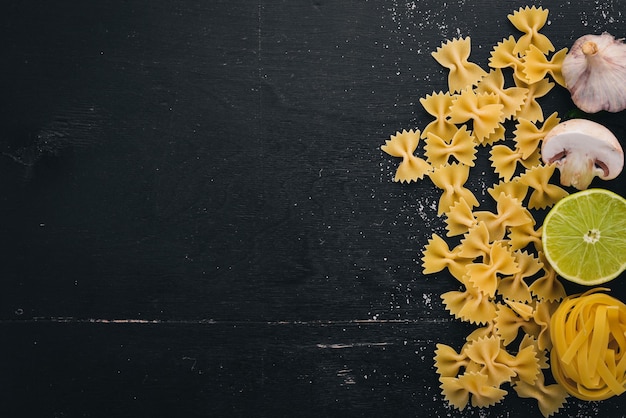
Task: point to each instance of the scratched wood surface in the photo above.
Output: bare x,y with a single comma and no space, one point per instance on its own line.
197,219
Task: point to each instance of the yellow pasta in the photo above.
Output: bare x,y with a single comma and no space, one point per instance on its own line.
544,193
528,136
459,219
543,313
454,56
537,65
476,242
403,144
524,235
547,287
508,323
511,98
461,146
457,391
485,275
437,256
513,188
514,287
486,353
502,56
471,305
531,109
550,398
496,136
510,213
506,288
530,20
588,357
451,179
504,160
482,108
438,105
525,364
448,362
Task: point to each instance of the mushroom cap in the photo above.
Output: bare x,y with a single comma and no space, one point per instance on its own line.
584,136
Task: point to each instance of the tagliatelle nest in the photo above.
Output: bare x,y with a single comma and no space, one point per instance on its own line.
505,284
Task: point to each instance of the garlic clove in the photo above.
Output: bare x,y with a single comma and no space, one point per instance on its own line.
595,73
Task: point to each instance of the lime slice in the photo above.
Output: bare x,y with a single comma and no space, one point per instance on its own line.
584,236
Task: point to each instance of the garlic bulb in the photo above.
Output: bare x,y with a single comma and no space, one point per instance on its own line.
595,73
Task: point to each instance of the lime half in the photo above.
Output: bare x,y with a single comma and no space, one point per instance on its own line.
584,236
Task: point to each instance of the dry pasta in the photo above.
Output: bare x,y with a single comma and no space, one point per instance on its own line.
589,352
530,20
454,56
438,105
537,65
506,288
403,144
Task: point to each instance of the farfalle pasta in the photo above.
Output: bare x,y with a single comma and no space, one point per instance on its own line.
403,144
530,20
505,287
438,105
537,65
531,109
528,136
454,55
451,179
502,56
483,109
544,193
511,98
485,275
461,146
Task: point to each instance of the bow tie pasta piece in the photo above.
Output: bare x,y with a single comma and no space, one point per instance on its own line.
437,256
547,287
459,219
486,353
454,56
448,362
403,145
544,194
496,136
550,398
513,188
514,287
531,109
483,109
438,105
476,242
504,160
461,146
485,275
502,56
525,364
537,65
451,179
511,98
527,135
524,235
510,213
530,20
470,305
542,317
457,391
509,322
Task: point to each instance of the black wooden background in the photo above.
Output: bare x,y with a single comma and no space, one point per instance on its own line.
197,219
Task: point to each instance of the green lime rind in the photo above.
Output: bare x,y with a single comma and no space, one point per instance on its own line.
584,236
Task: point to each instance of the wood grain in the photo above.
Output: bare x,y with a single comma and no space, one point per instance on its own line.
197,219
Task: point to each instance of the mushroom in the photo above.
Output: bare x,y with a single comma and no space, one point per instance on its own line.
582,149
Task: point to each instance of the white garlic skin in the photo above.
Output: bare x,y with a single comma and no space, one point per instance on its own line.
595,75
